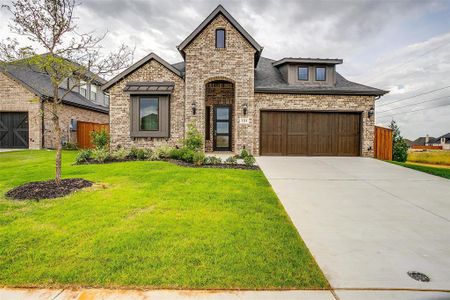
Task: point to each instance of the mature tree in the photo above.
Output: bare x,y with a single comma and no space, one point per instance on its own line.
399,146
50,27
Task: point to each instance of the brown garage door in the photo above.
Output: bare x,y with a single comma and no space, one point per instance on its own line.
310,133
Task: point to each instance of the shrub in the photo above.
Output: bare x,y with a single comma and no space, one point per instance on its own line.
162,152
198,158
244,153
70,146
231,160
175,153
187,155
100,138
249,160
83,156
212,160
120,154
194,140
143,154
133,153
399,147
100,155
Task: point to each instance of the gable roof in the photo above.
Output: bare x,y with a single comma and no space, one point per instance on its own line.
221,10
268,79
40,84
139,64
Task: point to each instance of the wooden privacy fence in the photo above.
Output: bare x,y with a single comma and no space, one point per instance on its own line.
419,147
383,143
84,130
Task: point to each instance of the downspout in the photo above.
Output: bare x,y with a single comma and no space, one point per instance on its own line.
43,123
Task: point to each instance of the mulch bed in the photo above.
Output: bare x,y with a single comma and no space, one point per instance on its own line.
177,162
215,166
47,189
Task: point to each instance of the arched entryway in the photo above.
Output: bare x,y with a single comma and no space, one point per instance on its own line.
219,115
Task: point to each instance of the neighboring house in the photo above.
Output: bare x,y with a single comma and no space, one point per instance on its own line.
25,118
422,141
443,140
240,100
409,143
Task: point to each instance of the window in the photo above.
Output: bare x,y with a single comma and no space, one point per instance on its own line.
93,92
320,73
106,100
220,38
303,73
83,88
148,114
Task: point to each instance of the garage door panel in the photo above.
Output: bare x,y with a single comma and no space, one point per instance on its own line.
296,133
310,133
321,133
271,133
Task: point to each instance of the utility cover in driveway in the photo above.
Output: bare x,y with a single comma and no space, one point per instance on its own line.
294,133
13,130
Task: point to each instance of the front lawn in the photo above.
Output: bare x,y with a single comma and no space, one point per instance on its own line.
437,157
438,171
149,224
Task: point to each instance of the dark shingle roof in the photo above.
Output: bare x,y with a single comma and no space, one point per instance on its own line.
39,83
420,141
438,139
268,79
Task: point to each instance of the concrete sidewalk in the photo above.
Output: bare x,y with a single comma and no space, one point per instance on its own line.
104,294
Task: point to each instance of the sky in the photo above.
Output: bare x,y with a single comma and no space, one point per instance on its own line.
402,46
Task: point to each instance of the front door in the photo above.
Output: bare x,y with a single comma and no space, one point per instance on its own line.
222,128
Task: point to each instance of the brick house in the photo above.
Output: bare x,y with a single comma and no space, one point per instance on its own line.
240,100
25,118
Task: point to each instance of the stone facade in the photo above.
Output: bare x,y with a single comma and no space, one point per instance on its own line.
317,103
235,63
14,97
120,108
67,112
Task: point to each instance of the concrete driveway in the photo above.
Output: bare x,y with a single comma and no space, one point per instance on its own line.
367,222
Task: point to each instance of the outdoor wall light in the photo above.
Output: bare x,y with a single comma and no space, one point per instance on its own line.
244,108
194,108
370,113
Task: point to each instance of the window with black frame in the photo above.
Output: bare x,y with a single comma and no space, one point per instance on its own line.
220,38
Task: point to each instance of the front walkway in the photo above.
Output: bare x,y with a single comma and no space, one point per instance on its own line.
367,222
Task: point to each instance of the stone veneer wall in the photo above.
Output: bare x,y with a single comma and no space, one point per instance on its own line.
120,108
67,112
235,63
14,97
266,101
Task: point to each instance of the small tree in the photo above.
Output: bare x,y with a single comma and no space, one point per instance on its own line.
194,139
50,26
399,147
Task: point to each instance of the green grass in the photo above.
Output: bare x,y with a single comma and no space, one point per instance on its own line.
437,157
442,172
149,224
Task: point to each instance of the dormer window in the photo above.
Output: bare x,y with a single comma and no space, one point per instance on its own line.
220,38
83,88
321,73
303,73
93,92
